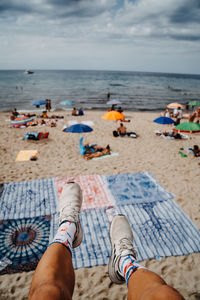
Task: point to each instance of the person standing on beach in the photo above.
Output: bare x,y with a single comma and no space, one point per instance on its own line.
74,112
48,105
179,115
54,277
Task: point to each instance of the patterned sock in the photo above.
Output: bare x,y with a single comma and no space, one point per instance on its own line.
128,265
65,234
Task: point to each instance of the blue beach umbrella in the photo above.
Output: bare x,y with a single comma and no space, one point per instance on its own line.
67,102
39,102
78,128
164,120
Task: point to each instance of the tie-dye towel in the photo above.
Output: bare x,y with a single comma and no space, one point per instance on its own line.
30,208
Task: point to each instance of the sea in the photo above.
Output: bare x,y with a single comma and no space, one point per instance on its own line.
136,91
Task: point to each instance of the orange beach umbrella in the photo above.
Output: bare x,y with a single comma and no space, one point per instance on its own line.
113,115
175,105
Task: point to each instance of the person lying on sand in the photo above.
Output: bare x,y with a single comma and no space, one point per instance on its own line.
174,134
196,150
124,120
99,151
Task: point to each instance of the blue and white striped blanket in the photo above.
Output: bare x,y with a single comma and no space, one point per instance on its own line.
159,226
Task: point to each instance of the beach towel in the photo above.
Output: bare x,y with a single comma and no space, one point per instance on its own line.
160,227
28,199
22,243
95,193
190,151
135,188
72,122
89,123
24,155
35,135
182,154
106,156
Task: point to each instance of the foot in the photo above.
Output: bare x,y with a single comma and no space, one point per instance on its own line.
122,245
70,206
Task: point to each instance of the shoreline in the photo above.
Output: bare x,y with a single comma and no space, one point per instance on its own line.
85,109
59,156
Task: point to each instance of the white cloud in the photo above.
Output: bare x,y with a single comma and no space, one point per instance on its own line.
82,31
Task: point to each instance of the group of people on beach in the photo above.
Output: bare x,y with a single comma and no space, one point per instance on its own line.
177,113
54,277
78,112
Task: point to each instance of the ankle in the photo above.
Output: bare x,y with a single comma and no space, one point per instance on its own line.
127,266
65,234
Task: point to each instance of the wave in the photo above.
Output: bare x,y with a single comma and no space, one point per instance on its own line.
175,90
116,84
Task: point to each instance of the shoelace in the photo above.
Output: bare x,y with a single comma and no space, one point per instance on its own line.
126,244
72,212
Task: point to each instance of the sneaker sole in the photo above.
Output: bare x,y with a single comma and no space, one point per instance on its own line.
78,239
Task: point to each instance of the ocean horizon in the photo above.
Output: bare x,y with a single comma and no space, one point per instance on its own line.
137,91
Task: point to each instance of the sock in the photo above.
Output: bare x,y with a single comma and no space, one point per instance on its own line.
128,265
65,234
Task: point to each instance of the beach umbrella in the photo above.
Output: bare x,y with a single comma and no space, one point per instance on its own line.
21,121
164,120
194,103
39,102
175,105
187,127
113,115
113,102
67,102
78,128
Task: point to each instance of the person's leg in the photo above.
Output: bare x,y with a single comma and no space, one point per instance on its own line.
142,283
147,285
54,276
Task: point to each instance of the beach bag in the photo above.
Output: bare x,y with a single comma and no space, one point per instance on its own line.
115,133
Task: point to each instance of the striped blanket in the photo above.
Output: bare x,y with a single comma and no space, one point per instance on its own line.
29,209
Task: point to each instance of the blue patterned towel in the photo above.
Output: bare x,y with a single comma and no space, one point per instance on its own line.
159,228
135,188
28,199
22,243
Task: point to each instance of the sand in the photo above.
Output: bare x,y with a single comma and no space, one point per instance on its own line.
59,156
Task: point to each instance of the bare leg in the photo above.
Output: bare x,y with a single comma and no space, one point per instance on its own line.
144,284
54,277
123,266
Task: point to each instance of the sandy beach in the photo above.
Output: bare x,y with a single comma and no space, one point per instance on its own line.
59,156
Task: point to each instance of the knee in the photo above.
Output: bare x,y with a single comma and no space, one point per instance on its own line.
49,291
164,292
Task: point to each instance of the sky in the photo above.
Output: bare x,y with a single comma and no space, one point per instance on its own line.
126,35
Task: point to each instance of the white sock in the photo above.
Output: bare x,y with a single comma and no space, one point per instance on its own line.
65,234
128,265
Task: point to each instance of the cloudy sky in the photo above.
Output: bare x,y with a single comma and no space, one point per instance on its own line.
133,35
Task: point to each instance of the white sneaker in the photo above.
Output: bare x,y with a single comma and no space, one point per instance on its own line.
122,245
70,206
